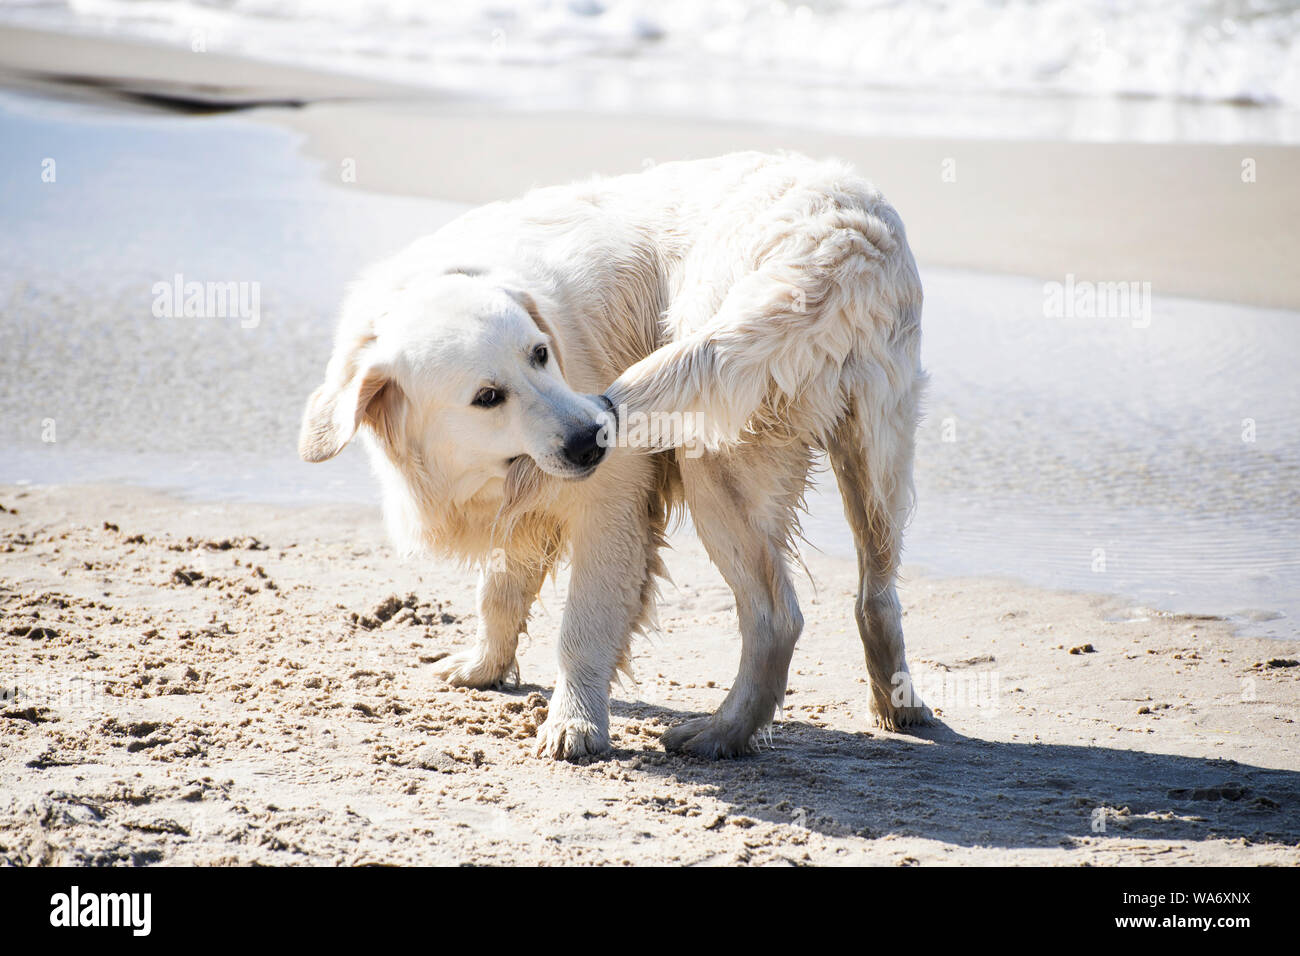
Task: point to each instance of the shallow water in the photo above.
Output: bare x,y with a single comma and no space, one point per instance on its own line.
1101,454
1160,461
206,405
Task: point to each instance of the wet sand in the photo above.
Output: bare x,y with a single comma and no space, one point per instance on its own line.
1199,220
149,74
1177,216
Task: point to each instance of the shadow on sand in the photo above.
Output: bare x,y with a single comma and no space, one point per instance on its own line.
1008,794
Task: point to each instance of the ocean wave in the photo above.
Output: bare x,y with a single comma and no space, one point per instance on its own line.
1215,51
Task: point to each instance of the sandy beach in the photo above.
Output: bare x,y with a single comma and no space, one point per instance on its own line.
224,684
209,654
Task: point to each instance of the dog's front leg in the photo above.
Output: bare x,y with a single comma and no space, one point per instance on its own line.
507,588
607,591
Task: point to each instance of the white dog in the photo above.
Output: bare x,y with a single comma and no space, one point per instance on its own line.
735,316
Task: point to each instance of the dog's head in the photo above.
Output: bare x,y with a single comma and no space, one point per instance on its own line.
454,374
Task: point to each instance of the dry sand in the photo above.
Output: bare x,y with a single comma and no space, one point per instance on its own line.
198,683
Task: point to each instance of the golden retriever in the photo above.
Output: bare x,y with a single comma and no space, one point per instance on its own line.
551,378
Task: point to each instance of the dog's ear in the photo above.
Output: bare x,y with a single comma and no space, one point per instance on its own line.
530,306
335,411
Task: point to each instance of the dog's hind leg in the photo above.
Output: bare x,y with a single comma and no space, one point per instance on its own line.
873,465
743,502
507,588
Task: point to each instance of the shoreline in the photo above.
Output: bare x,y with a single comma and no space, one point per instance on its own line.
222,684
961,306
144,74
1106,212
824,541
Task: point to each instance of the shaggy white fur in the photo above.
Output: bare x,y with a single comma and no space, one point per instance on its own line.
767,307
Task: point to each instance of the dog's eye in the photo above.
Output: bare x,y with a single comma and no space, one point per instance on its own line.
489,397
541,354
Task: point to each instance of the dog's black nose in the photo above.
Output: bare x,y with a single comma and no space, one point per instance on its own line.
583,448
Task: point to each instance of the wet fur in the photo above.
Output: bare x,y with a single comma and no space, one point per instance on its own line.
775,296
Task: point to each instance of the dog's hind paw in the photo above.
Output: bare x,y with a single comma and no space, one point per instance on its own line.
708,737
472,669
570,738
899,718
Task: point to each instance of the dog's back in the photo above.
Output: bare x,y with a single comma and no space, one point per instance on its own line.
793,301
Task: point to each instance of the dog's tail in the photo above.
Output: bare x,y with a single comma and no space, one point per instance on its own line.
774,353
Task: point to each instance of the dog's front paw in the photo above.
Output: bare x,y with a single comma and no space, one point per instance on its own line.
473,669
709,737
568,738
